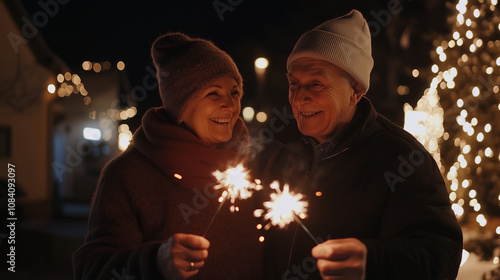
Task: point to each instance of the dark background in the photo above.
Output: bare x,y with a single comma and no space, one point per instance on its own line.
403,34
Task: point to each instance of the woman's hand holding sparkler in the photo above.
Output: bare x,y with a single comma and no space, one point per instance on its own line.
341,259
182,255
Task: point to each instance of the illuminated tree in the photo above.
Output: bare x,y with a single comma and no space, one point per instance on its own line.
459,114
469,95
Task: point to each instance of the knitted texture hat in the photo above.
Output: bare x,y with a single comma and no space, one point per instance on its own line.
344,41
185,65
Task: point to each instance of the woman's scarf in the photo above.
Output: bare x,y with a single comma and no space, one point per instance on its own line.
180,155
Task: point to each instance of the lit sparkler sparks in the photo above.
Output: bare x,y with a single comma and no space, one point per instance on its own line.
283,208
236,185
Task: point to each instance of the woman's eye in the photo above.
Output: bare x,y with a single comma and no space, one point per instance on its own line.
213,94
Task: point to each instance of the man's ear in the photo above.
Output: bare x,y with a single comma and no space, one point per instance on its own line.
358,92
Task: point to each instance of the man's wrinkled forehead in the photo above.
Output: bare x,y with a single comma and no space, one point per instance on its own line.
313,67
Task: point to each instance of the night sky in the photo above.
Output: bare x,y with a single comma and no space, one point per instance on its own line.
403,34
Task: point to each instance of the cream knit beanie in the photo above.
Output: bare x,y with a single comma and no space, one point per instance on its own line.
344,41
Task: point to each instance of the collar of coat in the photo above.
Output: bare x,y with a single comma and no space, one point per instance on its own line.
360,126
180,155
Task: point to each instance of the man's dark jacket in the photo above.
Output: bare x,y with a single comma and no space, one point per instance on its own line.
374,182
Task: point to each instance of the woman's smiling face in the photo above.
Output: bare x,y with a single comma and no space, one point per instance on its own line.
213,110
322,97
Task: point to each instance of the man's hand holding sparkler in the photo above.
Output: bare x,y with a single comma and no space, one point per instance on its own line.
182,255
341,259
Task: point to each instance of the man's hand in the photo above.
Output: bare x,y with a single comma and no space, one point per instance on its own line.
182,255
341,259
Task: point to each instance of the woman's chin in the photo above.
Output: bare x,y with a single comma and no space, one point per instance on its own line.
219,139
226,139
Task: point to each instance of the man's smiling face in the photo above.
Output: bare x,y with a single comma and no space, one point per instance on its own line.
322,97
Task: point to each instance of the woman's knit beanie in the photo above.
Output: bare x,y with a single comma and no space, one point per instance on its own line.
185,65
344,41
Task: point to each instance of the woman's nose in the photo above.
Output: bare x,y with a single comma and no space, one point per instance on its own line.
229,102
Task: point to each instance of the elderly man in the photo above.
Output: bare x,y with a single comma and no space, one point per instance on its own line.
378,205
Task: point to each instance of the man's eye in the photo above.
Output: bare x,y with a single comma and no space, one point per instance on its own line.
292,85
316,86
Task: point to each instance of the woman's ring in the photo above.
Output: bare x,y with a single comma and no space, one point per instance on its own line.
191,266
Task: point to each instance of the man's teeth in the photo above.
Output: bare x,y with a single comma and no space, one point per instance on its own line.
221,121
307,114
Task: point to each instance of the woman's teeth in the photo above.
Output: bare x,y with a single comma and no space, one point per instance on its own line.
221,121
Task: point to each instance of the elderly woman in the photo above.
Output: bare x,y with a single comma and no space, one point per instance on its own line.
154,201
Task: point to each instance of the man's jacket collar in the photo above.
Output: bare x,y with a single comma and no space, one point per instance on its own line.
360,126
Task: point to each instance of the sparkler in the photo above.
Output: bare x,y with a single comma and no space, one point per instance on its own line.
283,208
236,185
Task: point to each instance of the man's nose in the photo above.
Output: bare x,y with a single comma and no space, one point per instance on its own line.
299,96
